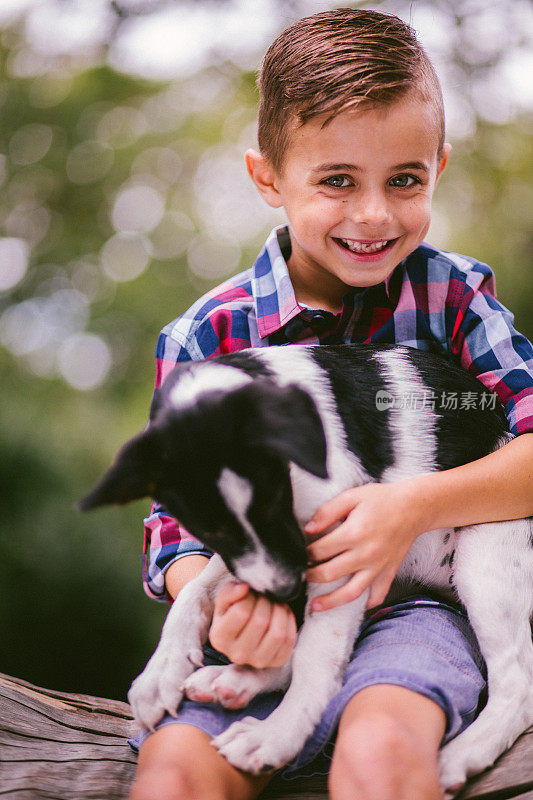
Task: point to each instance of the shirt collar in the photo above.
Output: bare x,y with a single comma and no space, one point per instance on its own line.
272,289
273,292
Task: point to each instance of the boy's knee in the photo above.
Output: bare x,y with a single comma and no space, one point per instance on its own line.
377,758
376,743
164,784
168,784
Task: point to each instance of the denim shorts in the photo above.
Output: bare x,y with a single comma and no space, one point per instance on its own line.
420,644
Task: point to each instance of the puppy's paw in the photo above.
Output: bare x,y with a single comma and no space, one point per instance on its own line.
470,753
456,764
199,685
452,778
231,686
157,691
251,746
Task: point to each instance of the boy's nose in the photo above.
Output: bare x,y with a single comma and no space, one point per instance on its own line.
371,209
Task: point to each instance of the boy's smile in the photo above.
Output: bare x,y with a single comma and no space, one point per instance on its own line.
357,193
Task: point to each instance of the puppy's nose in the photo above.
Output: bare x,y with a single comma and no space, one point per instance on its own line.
285,594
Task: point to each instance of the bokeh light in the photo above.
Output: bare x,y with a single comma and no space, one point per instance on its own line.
172,236
121,126
225,198
84,360
125,256
162,162
89,161
14,257
30,143
212,257
50,89
137,208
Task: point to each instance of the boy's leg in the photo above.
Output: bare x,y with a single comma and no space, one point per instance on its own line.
387,746
178,762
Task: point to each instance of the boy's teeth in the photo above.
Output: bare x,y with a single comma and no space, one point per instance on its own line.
365,247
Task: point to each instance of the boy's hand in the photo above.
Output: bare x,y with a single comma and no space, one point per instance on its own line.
250,629
379,523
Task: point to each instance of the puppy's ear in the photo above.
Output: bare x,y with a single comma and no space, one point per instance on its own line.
285,420
131,477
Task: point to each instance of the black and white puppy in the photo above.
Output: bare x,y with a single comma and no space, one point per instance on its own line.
244,448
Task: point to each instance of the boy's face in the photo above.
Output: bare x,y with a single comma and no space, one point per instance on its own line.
357,194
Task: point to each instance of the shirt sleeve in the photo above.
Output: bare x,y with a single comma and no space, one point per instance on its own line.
165,539
487,344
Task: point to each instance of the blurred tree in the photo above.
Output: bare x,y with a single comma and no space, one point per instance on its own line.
122,200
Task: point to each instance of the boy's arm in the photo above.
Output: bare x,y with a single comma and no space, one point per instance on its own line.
379,522
496,487
182,571
166,542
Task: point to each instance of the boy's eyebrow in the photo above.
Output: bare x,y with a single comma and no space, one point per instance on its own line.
420,165
413,165
336,168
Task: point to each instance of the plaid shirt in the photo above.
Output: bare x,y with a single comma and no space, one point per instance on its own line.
433,300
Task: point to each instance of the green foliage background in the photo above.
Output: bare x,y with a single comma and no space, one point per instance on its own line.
72,613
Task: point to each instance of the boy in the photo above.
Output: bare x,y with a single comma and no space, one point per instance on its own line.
351,137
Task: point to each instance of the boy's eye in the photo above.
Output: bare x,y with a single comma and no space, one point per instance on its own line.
403,181
337,181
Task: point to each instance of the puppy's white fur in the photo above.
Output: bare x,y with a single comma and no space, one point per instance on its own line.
209,379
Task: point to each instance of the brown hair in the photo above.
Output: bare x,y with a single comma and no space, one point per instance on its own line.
335,61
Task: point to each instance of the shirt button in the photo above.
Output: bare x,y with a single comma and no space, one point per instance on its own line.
320,320
294,329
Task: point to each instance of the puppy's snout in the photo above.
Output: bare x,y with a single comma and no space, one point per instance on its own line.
287,593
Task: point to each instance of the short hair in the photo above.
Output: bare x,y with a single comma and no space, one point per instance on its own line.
335,61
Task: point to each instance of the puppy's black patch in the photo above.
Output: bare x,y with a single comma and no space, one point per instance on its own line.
355,380
248,362
470,430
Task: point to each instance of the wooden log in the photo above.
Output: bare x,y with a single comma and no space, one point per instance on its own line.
63,746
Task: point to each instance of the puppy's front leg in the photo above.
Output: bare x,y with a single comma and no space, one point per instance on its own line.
319,660
158,689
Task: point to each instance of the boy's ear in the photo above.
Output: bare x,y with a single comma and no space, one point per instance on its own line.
446,150
263,175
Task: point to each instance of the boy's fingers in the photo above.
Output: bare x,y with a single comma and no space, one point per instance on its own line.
334,510
380,589
331,544
229,594
280,656
278,642
337,567
268,637
229,620
243,648
345,594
